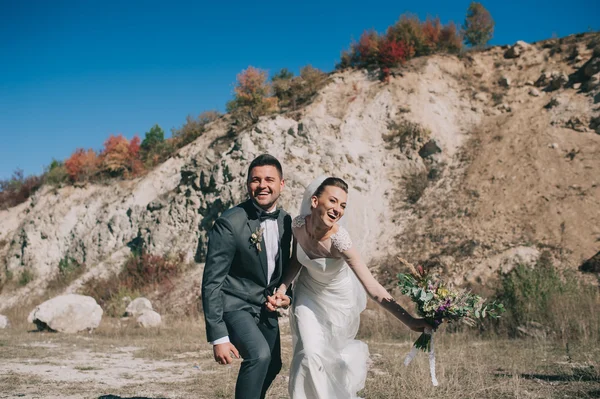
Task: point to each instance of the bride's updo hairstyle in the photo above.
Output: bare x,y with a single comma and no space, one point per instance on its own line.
331,181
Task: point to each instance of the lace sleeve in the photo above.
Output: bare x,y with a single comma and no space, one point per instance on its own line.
298,221
341,240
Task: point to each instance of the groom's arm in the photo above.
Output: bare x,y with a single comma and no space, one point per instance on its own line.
220,253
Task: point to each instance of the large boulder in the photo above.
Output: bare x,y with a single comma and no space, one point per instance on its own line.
67,313
149,318
3,322
138,306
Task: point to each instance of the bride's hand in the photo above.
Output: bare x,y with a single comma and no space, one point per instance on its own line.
278,300
419,325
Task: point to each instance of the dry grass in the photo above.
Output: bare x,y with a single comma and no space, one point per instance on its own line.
175,362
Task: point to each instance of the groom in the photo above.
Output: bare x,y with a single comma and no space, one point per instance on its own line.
248,253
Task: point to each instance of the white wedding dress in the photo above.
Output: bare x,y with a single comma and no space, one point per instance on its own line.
328,363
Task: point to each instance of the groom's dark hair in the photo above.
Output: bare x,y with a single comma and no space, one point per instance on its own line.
265,160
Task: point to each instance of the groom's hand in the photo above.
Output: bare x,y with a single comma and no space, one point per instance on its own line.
222,353
277,300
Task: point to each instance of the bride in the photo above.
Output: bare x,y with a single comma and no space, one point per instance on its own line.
329,296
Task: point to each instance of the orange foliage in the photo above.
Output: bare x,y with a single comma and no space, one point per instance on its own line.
120,156
432,29
252,85
82,164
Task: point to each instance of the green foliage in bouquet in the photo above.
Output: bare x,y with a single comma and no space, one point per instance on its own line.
436,302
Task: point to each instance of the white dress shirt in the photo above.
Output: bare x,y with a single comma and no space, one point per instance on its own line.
270,244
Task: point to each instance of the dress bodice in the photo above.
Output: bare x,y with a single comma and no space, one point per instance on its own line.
322,259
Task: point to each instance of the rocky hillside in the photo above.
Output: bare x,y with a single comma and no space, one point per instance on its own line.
462,163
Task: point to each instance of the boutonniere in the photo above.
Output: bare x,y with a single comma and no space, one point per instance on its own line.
256,238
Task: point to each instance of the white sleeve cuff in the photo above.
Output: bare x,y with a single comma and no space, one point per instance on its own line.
223,340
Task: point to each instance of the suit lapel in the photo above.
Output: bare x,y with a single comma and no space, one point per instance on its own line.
254,226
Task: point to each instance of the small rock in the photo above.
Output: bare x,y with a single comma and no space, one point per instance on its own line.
554,101
592,265
429,148
4,323
543,80
516,50
593,82
576,123
576,86
534,92
595,124
529,83
504,81
138,306
513,52
149,318
554,146
481,96
558,80
505,107
592,67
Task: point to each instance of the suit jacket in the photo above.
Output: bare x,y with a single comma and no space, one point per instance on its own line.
235,273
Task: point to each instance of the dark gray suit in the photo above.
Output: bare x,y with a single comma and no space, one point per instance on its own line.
235,289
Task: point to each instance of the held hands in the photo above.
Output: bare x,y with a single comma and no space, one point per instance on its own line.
222,353
276,301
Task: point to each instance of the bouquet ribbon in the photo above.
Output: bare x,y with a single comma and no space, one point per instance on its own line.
413,353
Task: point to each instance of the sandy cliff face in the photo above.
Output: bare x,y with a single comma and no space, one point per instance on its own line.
512,172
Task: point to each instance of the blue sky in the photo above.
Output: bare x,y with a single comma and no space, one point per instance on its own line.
74,72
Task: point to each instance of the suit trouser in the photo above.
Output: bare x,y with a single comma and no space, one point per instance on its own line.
259,345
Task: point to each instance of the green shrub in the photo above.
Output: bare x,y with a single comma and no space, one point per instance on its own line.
56,173
406,135
557,299
415,185
140,274
68,270
26,277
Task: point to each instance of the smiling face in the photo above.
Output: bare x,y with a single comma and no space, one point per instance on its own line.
329,206
265,185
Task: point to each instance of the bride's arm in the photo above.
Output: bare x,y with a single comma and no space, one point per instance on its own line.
292,270
378,293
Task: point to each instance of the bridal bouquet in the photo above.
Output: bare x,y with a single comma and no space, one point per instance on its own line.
437,303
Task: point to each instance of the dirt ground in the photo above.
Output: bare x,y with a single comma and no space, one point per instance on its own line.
122,361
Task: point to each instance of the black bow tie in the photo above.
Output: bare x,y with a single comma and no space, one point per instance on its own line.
265,215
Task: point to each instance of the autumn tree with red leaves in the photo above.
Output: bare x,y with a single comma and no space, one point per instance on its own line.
391,54
82,165
120,156
407,38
